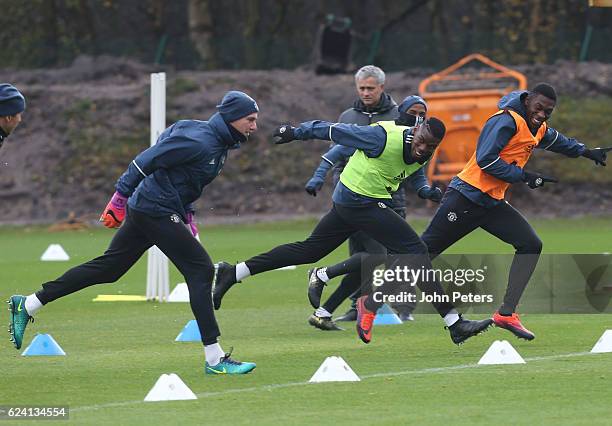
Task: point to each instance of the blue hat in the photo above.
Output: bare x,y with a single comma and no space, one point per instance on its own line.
411,100
11,101
236,105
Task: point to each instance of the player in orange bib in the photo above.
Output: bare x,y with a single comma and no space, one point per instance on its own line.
475,197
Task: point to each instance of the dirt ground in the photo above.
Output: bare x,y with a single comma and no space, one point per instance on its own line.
85,123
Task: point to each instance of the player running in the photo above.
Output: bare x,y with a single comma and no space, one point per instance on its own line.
12,106
412,111
387,153
151,206
475,197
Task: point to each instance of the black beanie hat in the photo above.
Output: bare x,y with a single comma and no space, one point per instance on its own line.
11,100
236,105
411,100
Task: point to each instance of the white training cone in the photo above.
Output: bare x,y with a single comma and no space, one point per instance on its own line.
54,252
334,369
169,387
501,352
604,344
179,294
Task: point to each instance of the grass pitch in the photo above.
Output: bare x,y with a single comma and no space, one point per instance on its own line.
410,372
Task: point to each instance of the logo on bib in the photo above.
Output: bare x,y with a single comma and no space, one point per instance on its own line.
452,217
175,218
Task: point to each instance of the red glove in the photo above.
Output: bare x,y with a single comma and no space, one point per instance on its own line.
114,212
191,222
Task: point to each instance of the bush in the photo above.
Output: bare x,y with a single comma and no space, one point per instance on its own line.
587,120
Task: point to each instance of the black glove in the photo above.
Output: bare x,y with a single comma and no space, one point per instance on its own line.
430,193
284,133
598,155
314,185
535,179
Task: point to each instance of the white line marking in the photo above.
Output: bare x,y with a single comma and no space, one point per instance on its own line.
294,384
554,140
491,163
330,129
139,169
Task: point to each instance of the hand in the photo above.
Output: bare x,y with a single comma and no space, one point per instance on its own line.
535,179
114,212
284,133
314,185
191,223
598,155
430,193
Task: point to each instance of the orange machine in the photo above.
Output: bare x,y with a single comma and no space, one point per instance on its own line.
464,98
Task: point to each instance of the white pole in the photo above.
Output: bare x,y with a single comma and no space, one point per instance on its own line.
157,263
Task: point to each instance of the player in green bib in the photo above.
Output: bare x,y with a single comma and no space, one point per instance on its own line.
379,177
387,153
410,112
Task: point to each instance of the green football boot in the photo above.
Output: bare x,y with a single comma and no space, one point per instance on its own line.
19,319
229,366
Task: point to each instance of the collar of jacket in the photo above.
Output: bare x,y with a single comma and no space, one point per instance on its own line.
232,139
517,105
2,136
385,104
519,108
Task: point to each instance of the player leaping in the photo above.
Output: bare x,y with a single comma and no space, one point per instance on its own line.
386,154
151,206
475,197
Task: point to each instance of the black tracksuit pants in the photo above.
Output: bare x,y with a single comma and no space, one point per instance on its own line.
457,216
360,246
138,233
377,221
363,250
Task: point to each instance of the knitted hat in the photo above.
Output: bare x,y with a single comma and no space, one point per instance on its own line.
236,105
411,100
11,101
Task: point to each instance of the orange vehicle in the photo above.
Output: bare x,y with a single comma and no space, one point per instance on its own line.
464,97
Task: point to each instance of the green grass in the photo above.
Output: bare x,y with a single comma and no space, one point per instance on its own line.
411,372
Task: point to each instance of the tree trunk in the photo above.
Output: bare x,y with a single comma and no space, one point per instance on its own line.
252,44
534,28
51,33
201,31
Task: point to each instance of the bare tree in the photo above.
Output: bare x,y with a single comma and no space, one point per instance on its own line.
201,31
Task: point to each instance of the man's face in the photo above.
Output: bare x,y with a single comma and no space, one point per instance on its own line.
423,144
9,123
417,110
539,109
369,91
246,125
